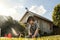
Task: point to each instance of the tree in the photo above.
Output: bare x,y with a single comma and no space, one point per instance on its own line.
56,15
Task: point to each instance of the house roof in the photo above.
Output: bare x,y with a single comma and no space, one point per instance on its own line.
39,16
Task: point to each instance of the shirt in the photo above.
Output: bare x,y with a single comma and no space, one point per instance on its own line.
33,28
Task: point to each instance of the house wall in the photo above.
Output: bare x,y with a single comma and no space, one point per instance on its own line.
44,26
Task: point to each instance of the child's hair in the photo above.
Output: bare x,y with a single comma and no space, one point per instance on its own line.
30,18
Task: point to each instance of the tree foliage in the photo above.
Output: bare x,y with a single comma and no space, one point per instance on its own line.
56,15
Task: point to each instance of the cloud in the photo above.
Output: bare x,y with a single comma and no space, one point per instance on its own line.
38,9
8,9
15,8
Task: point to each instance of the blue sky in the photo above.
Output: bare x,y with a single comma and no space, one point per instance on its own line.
16,8
48,5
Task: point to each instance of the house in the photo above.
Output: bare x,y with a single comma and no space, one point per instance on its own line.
46,25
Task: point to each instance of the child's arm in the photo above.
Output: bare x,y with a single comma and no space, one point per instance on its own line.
35,32
29,33
37,29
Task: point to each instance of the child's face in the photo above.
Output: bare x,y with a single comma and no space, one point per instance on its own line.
31,22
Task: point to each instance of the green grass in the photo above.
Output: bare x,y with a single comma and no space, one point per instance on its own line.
56,37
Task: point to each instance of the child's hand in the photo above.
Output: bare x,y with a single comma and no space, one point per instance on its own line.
30,33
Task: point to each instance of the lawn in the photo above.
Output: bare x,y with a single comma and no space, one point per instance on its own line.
56,37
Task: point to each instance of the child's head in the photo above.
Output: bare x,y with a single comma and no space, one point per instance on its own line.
30,19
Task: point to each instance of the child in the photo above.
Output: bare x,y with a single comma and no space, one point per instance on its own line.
32,27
